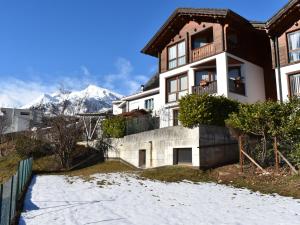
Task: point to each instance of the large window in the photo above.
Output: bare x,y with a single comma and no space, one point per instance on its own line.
176,88
236,81
176,55
149,104
294,46
208,76
294,84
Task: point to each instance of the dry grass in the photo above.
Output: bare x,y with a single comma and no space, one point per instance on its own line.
8,166
175,174
285,185
103,167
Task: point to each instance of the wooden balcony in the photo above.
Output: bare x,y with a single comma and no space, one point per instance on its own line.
203,52
211,88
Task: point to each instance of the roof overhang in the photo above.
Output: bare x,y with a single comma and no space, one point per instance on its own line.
180,17
284,18
141,94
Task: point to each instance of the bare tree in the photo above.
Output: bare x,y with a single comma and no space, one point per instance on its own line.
64,129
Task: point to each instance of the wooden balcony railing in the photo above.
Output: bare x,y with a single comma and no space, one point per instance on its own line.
211,88
203,52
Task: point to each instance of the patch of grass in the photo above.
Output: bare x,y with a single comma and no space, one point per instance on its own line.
46,164
176,174
102,167
284,185
8,166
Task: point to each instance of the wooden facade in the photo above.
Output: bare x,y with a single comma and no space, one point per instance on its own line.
231,33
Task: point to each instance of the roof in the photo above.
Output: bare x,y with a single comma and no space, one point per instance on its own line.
152,83
284,18
180,17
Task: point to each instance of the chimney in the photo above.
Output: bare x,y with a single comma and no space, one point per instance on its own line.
142,88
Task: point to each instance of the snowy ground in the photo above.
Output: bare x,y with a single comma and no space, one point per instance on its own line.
123,199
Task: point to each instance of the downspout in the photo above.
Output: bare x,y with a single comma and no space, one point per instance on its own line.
277,59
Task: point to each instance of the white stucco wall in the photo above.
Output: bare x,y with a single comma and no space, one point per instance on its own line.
254,82
284,79
140,103
116,109
253,76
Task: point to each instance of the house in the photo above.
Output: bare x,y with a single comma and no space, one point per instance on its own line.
284,32
147,98
17,120
213,51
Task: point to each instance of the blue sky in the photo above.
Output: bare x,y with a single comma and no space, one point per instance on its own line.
45,43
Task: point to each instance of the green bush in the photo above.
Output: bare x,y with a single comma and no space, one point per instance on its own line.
268,120
114,127
205,109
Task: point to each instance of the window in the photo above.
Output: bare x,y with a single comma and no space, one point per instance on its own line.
175,117
236,83
205,75
294,46
203,38
149,104
294,84
176,55
24,113
176,88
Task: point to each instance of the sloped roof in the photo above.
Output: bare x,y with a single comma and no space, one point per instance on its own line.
152,83
284,18
180,17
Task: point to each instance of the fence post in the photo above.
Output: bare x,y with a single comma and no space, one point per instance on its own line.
18,176
11,196
276,154
241,153
1,192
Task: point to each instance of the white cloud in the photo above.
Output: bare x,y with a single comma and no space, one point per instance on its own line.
17,92
124,80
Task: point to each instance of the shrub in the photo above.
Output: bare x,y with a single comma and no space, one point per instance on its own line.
205,109
114,127
268,120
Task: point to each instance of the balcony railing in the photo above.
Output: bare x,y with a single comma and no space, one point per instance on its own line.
203,52
238,88
211,88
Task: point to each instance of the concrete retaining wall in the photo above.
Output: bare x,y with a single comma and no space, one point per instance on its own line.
159,145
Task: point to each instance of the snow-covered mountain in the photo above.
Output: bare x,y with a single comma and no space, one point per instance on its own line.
92,99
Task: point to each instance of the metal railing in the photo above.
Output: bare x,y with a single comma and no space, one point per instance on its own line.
211,88
11,191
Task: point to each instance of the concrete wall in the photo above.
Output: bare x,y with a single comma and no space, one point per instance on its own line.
159,145
284,79
16,119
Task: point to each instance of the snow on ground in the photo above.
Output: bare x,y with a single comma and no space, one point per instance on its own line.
123,199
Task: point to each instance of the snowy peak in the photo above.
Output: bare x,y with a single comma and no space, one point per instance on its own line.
90,99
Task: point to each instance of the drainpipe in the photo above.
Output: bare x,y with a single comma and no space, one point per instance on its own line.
277,59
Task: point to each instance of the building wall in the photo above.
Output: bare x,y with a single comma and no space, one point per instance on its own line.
284,79
140,103
16,121
283,44
253,74
186,33
254,81
159,145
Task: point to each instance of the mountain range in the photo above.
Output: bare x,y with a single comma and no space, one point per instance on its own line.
90,100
